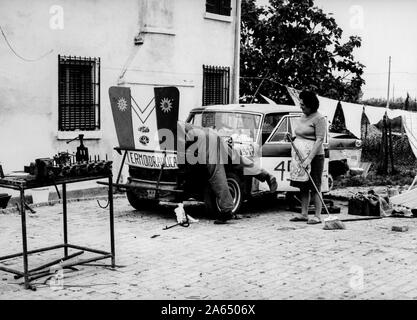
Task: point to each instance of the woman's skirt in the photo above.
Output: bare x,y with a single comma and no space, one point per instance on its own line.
317,165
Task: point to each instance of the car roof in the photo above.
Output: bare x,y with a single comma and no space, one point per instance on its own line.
259,108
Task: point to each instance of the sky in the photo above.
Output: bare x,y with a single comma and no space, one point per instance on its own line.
388,28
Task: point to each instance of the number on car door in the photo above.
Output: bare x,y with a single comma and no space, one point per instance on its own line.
276,155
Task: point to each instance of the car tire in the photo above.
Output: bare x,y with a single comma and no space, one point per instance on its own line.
330,179
139,203
236,190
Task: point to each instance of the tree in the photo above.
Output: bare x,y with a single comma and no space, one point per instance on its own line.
399,103
295,43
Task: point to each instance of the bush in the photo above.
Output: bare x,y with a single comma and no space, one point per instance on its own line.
403,176
405,163
371,149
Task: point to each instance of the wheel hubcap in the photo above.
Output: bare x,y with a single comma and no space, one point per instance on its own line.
330,182
234,190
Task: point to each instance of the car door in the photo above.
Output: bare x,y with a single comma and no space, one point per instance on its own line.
276,155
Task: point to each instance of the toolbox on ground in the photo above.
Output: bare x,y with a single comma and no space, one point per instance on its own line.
364,205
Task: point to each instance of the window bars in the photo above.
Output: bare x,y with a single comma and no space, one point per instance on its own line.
78,93
216,85
222,7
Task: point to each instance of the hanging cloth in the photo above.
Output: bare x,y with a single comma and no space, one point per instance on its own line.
374,114
353,116
327,107
409,120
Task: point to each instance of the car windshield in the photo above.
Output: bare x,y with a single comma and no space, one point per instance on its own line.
240,126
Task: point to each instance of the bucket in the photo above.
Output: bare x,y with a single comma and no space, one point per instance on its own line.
4,200
40,195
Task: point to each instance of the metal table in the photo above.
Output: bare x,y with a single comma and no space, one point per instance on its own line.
23,183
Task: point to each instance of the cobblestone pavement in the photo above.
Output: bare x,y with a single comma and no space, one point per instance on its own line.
260,256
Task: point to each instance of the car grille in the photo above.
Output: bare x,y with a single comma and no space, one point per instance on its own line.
168,175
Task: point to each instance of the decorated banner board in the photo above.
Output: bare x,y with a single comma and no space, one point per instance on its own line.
147,131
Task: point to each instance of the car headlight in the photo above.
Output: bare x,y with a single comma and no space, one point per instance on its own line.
358,143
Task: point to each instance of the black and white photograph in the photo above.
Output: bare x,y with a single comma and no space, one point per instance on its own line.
217,151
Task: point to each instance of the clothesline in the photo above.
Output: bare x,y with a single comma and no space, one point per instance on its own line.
353,112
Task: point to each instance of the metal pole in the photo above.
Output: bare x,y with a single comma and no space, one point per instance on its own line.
11,256
49,264
391,149
24,238
236,60
389,78
393,91
64,217
68,266
121,167
385,130
385,144
257,89
113,254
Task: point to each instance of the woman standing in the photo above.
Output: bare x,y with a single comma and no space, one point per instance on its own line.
310,132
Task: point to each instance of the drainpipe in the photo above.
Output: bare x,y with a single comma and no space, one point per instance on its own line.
236,58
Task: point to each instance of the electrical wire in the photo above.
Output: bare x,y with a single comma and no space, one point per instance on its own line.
256,92
392,72
18,55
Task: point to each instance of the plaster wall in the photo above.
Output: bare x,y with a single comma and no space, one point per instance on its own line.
178,38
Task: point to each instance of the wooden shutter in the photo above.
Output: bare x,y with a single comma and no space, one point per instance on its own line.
222,7
211,6
78,94
216,85
225,7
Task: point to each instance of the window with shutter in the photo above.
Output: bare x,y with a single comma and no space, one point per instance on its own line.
78,93
222,7
215,85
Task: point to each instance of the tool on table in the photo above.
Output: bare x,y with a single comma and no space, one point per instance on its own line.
61,166
82,151
62,159
330,223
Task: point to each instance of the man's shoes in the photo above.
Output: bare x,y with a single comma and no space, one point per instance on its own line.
272,183
224,217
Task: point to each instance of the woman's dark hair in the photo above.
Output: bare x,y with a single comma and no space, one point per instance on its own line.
310,100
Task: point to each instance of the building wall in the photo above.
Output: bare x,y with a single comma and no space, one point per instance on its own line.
178,38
